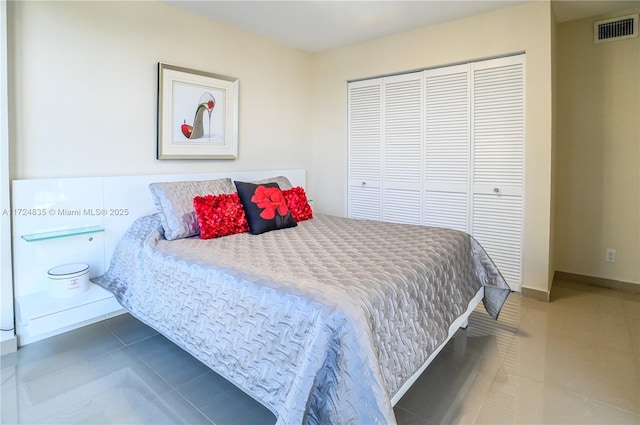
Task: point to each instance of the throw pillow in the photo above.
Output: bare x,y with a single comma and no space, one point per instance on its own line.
298,204
220,215
265,207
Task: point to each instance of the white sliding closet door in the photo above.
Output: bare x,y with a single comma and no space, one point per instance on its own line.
498,162
365,150
447,129
402,148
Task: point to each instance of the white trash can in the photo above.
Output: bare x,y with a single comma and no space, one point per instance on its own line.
68,280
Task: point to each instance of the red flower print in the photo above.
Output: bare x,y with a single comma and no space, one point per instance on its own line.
272,200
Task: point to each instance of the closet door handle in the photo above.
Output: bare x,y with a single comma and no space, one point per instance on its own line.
364,183
496,190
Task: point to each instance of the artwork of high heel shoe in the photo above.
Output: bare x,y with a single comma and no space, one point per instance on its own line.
207,103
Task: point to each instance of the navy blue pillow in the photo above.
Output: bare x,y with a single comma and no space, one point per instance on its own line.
265,207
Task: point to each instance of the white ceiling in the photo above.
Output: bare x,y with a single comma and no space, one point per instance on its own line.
315,26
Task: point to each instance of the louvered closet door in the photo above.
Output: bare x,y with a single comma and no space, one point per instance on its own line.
498,161
402,148
447,132
365,149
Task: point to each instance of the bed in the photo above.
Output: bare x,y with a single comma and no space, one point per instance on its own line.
326,322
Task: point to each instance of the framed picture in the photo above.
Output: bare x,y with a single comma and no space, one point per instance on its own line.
197,114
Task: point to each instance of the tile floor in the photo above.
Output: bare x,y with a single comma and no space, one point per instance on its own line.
574,360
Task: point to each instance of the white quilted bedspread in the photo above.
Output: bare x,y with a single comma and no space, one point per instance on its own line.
323,322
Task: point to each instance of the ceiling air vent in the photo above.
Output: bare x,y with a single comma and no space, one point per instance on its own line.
615,29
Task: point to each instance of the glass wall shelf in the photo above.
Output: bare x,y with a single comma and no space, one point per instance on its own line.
34,237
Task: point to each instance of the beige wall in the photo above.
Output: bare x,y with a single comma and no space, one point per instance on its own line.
554,102
524,28
598,158
83,79
7,339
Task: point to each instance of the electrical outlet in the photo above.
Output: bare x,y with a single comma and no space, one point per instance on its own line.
610,255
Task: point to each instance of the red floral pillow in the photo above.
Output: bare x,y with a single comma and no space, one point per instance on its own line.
220,215
265,207
297,202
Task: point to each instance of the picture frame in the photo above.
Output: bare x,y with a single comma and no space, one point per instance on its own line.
197,114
